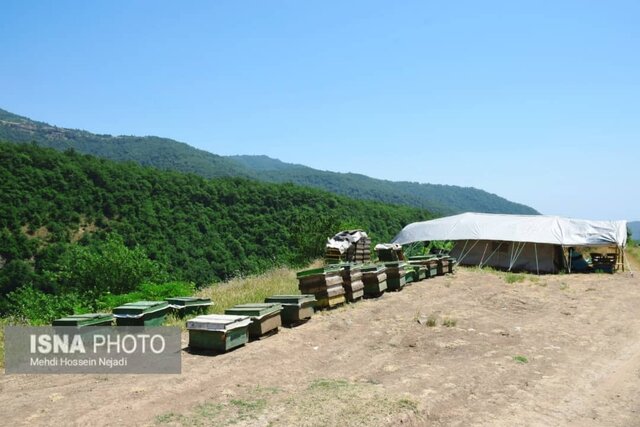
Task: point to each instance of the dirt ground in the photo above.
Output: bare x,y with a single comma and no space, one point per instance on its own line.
553,350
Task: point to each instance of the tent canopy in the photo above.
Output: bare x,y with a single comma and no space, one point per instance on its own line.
517,228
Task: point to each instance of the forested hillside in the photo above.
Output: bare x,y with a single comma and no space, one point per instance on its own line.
444,199
162,153
168,154
75,225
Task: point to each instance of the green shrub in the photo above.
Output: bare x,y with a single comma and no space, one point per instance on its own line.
107,267
39,308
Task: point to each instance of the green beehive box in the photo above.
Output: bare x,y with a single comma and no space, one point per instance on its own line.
295,308
374,289
183,306
218,332
375,280
141,313
419,272
396,283
410,277
82,320
396,275
265,317
429,262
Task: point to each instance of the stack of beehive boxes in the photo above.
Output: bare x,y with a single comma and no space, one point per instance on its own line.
324,284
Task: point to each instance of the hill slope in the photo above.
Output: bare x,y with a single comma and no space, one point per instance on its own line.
162,153
201,230
444,199
165,153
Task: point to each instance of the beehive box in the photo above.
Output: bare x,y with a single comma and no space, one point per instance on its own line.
265,317
375,280
183,306
83,320
429,261
396,275
141,313
318,280
410,276
295,308
325,284
419,272
218,332
443,266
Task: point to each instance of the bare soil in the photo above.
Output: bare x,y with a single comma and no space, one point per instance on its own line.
549,350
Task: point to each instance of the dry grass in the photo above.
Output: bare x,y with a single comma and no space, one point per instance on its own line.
252,289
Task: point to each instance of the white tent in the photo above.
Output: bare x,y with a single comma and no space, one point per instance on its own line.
527,242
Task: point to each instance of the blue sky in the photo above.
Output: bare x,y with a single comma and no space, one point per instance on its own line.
536,101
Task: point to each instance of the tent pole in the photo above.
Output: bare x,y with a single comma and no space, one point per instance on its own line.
535,249
493,253
483,252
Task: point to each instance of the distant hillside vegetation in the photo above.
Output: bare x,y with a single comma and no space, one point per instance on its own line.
168,154
634,227
162,153
64,215
444,199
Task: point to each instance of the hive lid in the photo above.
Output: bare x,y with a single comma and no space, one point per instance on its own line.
254,310
218,322
298,300
179,302
139,308
373,268
87,319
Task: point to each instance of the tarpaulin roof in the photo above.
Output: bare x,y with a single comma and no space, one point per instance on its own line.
517,228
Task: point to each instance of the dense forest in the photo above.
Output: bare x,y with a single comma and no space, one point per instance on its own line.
168,154
76,230
444,199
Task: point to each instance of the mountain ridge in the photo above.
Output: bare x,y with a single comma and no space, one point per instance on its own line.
168,154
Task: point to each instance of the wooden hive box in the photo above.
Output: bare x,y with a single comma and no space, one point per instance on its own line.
265,317
141,313
375,280
295,308
218,332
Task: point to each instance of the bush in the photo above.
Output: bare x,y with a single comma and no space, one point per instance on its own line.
39,308
106,267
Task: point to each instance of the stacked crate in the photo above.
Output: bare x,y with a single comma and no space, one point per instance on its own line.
352,281
389,252
375,280
348,246
362,251
333,255
324,284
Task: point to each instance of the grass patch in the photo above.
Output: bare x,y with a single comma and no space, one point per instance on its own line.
432,321
251,289
521,359
514,278
449,322
323,401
